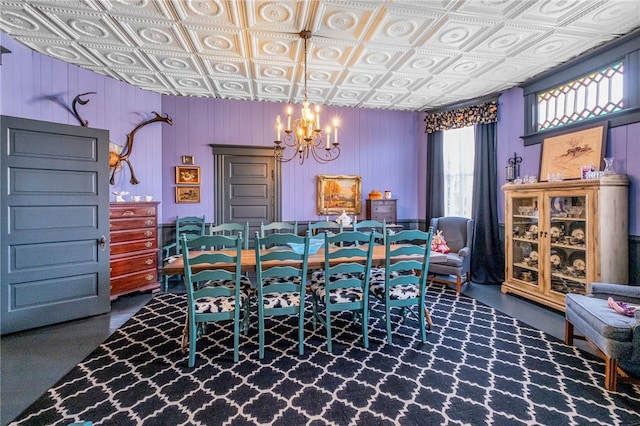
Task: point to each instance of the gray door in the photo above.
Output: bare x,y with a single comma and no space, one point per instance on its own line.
247,186
55,223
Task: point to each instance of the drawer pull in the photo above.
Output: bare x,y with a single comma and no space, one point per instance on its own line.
148,234
149,277
148,244
128,213
149,261
149,212
148,222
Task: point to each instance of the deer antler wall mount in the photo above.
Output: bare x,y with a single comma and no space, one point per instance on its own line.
116,159
78,100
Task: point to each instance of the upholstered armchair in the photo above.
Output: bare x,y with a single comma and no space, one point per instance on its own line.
458,232
615,337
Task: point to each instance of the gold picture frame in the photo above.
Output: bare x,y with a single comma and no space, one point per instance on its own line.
566,154
338,193
187,175
187,194
188,160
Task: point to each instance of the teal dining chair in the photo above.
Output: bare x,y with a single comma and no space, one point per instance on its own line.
235,229
344,286
281,287
189,226
230,229
208,302
404,282
318,229
379,229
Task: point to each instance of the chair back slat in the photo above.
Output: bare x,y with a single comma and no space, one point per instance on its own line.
232,229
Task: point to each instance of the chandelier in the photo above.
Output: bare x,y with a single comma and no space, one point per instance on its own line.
304,134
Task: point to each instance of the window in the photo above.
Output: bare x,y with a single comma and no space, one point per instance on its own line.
595,94
603,85
458,161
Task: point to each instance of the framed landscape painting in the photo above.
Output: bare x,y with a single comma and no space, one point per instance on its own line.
566,154
338,193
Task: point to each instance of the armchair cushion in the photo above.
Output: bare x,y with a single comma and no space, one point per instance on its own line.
453,259
601,318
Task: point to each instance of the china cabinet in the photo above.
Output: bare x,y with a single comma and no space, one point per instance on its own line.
562,236
134,247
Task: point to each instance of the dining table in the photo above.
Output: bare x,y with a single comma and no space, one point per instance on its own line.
316,260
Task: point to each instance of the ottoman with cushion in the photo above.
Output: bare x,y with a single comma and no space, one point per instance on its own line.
615,337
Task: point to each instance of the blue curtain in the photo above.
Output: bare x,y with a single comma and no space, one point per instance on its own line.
435,176
487,254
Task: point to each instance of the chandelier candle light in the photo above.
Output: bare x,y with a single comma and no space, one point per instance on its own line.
304,134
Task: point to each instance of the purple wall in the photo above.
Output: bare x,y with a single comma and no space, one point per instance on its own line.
380,146
620,144
386,148
38,87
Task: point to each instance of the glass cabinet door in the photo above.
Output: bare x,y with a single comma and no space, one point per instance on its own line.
568,243
525,232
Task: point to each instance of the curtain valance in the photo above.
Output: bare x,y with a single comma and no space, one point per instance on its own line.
462,117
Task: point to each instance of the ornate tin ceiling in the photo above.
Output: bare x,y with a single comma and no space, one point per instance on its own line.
386,54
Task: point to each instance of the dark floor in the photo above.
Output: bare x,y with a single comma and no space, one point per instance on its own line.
34,360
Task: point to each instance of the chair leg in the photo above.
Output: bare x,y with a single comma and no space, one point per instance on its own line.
328,325
610,374
427,318
301,331
458,284
568,333
388,321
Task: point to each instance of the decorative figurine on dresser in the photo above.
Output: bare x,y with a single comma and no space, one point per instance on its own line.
560,236
134,247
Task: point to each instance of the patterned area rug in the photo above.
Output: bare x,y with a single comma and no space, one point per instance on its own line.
478,367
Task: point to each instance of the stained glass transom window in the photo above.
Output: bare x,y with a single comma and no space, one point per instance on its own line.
596,94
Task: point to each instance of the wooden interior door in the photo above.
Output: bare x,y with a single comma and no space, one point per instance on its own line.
247,186
54,245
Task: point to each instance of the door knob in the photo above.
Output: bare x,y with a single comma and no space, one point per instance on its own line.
102,242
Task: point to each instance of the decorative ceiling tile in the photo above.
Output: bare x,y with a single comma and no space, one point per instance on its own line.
63,50
377,57
233,88
361,78
23,20
120,56
214,13
228,42
274,91
456,33
226,67
392,54
189,85
136,8
154,34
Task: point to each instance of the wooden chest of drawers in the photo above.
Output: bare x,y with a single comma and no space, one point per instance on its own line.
134,247
382,209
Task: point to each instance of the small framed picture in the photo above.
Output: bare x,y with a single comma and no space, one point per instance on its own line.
187,160
187,175
187,194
